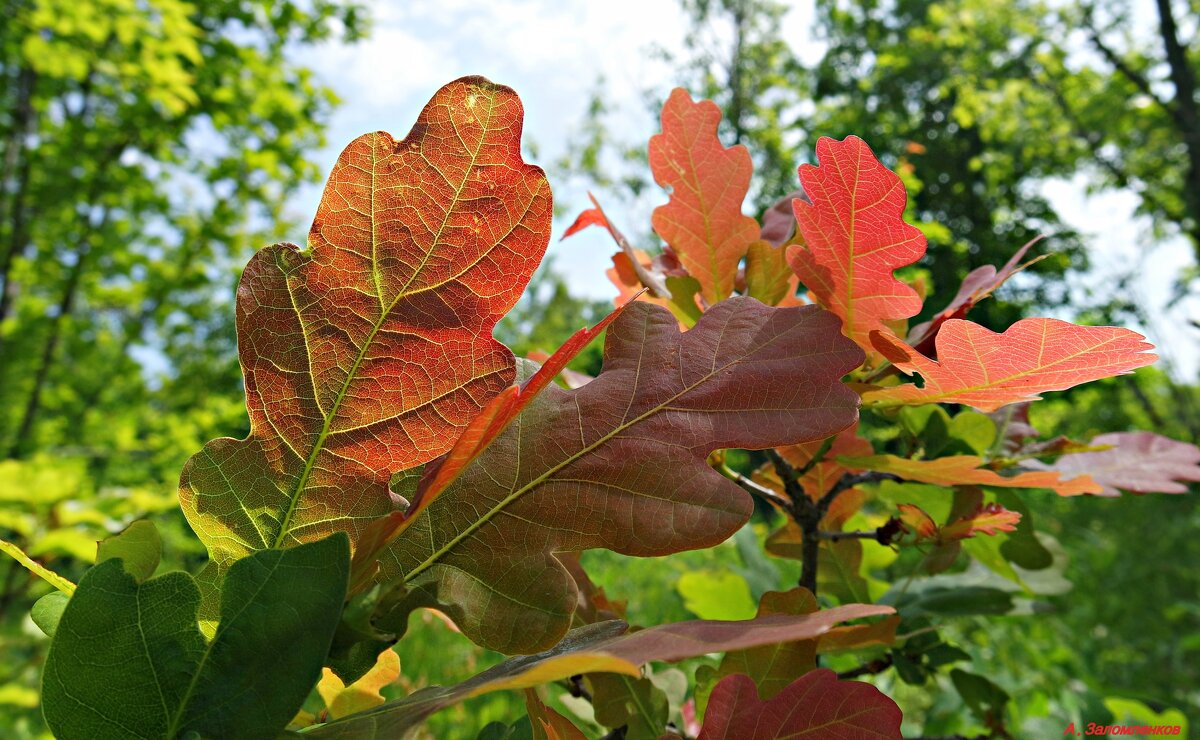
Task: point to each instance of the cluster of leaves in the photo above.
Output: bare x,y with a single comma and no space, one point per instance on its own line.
399,457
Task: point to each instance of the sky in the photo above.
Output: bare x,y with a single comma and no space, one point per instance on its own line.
553,51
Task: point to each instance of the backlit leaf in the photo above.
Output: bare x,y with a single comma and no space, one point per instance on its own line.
987,519
817,705
716,594
959,470
855,237
139,547
703,221
986,370
620,463
365,354
342,700
480,432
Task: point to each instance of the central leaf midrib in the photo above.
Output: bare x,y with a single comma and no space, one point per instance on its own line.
285,523
222,627
513,496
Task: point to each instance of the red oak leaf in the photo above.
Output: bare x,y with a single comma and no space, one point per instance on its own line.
367,353
985,370
620,463
855,237
492,419
817,705
703,221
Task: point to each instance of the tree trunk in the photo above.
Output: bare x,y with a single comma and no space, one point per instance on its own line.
1187,116
17,166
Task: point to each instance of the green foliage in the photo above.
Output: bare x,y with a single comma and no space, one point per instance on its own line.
121,644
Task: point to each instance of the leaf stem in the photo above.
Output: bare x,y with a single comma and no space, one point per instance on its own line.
49,576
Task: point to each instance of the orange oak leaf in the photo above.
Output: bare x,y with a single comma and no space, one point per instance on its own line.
703,221
365,354
816,705
1138,462
620,463
548,724
593,216
985,370
570,378
989,519
957,470
855,237
916,519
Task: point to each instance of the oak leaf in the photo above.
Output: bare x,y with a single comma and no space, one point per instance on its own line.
620,463
366,353
769,278
1138,462
989,519
957,470
816,705
703,221
779,221
855,237
986,370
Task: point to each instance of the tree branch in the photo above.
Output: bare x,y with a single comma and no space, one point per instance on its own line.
1139,80
755,489
879,665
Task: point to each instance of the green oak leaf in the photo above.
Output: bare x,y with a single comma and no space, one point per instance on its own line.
139,546
128,658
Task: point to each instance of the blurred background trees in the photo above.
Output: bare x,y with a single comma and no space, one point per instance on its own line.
148,146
